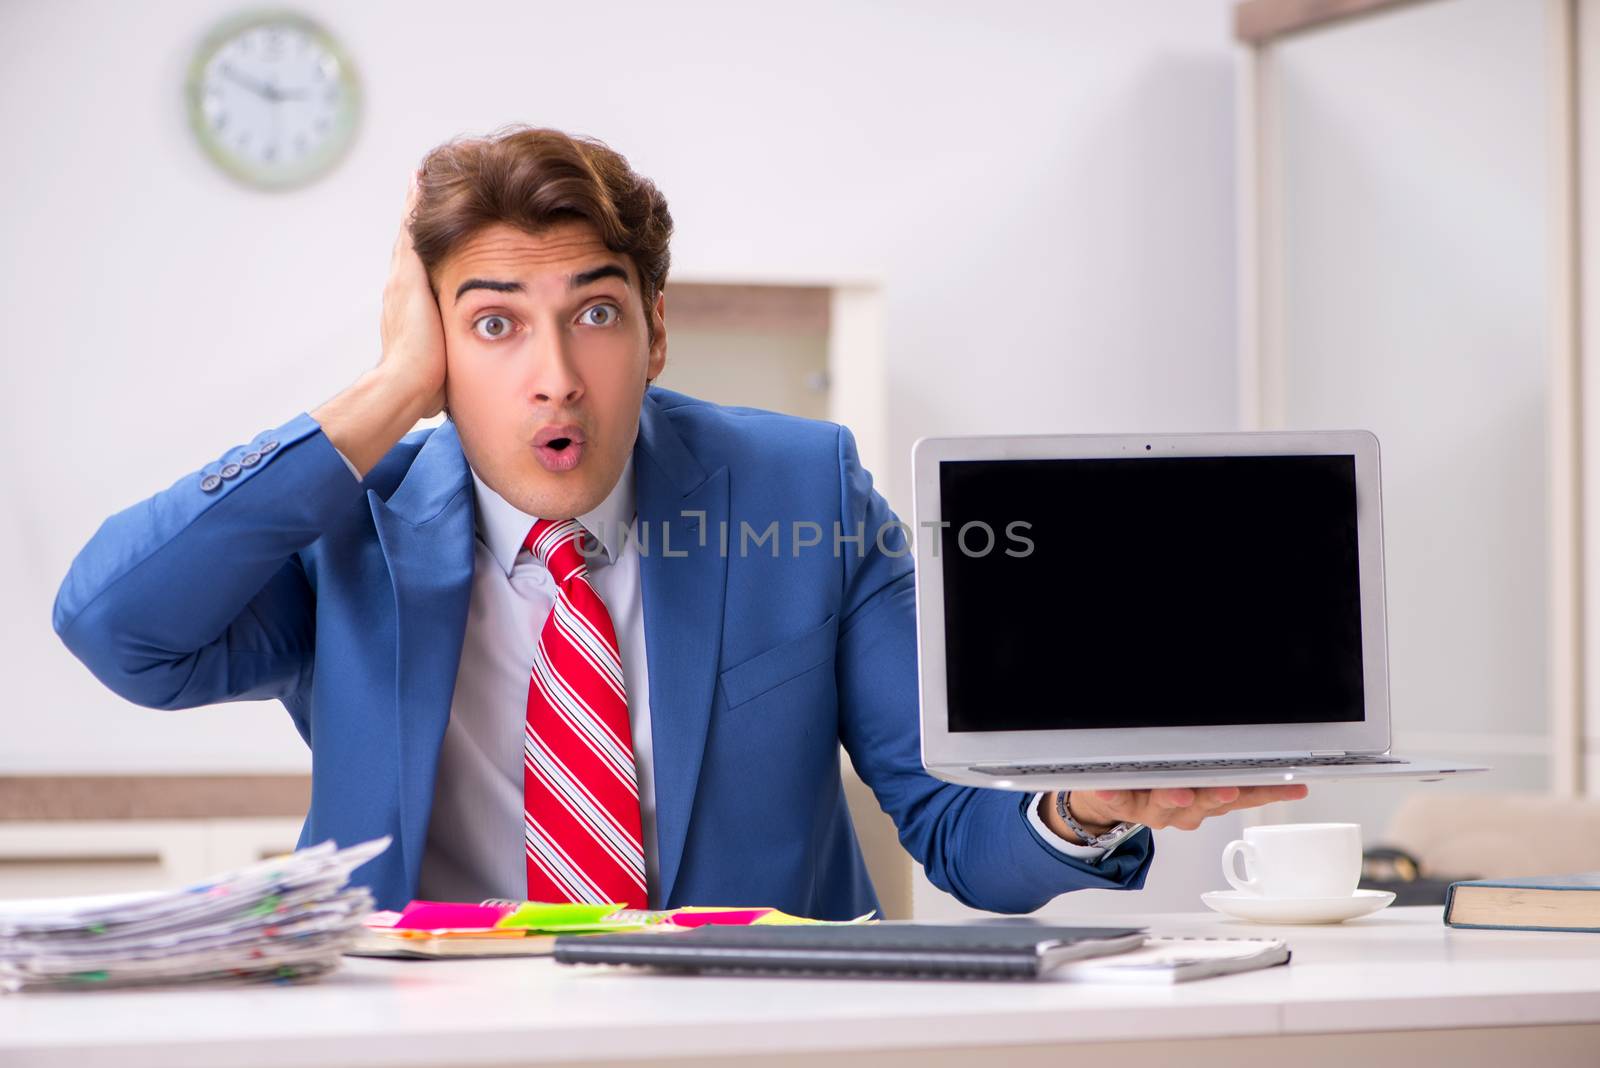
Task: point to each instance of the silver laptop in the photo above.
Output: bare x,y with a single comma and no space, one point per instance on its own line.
1174,610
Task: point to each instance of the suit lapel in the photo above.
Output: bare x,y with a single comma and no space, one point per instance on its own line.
683,603
425,528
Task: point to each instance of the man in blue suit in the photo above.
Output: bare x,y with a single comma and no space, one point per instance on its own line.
388,586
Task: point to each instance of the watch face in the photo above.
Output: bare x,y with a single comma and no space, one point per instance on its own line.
273,99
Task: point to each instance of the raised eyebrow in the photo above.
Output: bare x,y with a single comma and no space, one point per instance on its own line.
575,281
594,274
488,283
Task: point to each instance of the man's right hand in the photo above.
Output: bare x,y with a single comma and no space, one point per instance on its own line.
412,334
408,384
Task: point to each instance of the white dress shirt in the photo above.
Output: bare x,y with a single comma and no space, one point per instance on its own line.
474,846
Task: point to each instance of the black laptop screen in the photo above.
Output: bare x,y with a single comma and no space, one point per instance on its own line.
1150,592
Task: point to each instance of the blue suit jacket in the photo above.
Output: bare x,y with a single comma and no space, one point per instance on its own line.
348,602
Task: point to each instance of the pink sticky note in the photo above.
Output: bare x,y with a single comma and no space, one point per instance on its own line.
434,915
732,917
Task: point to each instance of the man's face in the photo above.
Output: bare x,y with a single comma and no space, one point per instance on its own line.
546,360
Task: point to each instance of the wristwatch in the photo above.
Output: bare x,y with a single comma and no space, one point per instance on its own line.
1110,838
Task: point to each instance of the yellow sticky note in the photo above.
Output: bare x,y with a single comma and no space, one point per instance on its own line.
560,916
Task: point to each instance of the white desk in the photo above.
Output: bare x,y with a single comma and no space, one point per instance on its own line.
1397,987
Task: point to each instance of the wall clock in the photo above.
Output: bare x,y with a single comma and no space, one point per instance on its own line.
273,99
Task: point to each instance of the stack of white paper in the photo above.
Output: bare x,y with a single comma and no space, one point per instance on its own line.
283,919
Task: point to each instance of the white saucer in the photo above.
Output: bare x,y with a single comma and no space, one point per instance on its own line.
1258,909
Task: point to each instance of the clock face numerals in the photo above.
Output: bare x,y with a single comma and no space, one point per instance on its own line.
273,101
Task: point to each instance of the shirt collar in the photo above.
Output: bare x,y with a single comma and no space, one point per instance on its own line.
503,526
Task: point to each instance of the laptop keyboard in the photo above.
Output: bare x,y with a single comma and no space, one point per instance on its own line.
1249,764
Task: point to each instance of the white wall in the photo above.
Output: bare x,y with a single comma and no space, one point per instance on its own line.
1043,190
1415,250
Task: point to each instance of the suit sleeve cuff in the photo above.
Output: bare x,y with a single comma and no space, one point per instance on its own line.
1088,854
354,473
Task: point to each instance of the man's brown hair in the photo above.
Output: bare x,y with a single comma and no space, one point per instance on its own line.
533,178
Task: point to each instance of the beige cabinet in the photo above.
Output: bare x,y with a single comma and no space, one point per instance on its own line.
48,858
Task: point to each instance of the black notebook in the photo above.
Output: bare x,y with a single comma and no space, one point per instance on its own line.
900,950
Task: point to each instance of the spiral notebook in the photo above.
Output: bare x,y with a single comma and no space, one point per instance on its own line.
898,950
1165,960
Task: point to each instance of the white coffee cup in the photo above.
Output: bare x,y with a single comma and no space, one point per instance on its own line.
1297,860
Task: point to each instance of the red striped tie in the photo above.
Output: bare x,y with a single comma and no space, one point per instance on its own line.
581,824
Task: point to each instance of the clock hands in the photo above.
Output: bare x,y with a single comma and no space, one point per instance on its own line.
265,90
261,89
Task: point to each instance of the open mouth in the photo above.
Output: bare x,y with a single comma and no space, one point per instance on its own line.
558,448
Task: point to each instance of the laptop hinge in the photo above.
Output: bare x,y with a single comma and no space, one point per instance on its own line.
1330,752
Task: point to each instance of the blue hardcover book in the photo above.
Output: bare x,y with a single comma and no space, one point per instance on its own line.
1542,903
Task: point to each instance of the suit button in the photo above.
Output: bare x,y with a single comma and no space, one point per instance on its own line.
229,471
266,447
210,483
250,459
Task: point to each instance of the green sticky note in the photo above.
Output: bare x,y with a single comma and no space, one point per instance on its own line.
541,916
266,906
